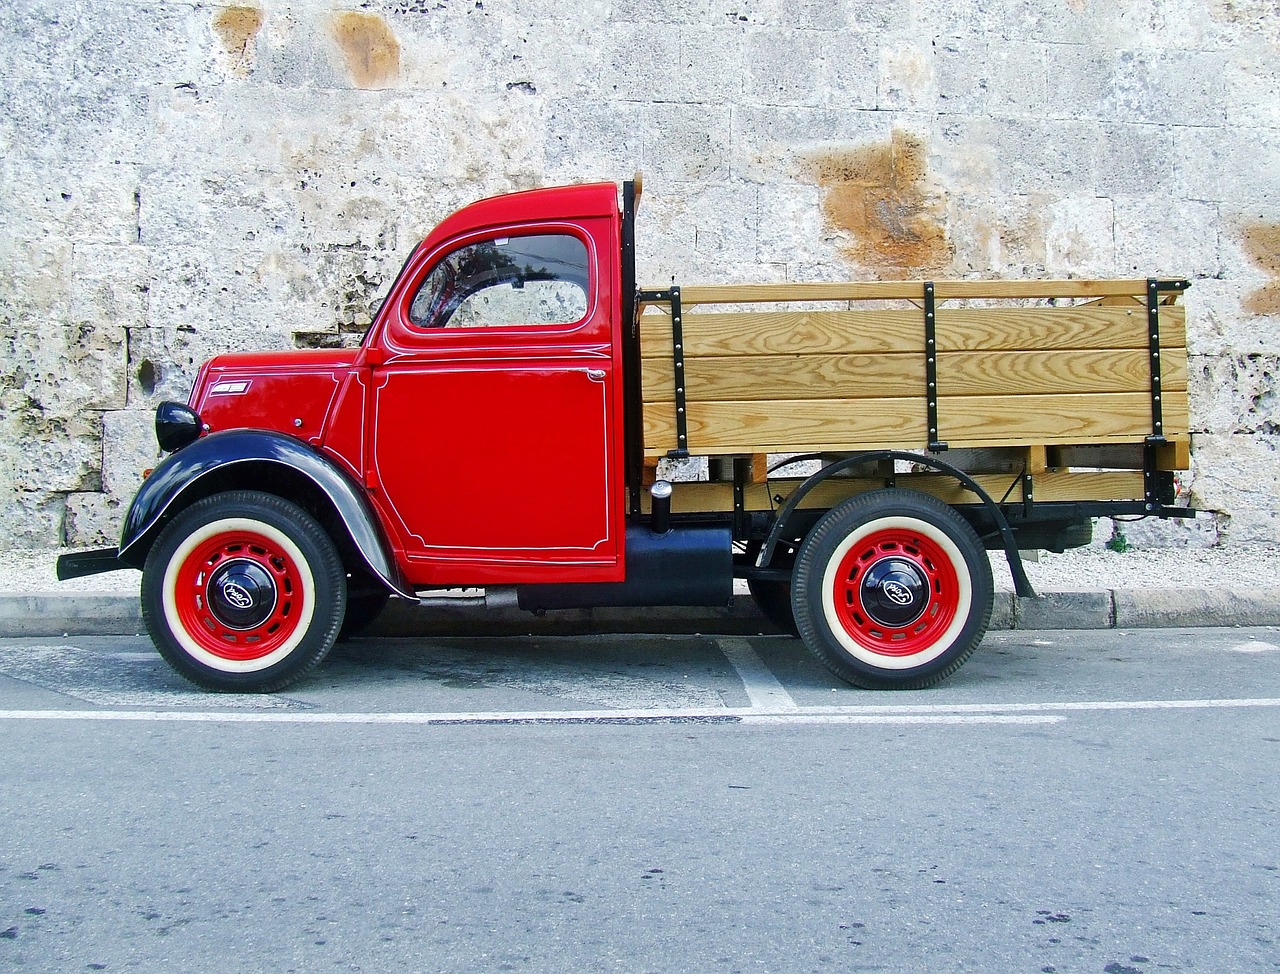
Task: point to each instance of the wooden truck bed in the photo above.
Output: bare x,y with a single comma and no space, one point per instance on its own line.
802,380
1054,373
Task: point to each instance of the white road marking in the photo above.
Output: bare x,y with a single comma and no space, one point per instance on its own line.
1254,646
724,716
1014,713
763,689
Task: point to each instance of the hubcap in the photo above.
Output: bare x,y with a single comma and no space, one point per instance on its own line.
241,594
894,592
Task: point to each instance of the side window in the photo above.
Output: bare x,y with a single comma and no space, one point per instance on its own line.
537,280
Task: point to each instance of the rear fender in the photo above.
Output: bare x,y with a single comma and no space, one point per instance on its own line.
214,462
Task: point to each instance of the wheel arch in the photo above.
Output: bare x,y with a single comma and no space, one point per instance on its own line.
791,510
271,463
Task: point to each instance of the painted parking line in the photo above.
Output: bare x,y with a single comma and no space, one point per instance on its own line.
923,714
763,689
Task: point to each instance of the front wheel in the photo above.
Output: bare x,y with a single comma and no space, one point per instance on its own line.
892,590
243,591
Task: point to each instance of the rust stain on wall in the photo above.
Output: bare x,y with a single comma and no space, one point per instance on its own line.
880,195
371,51
237,28
1262,244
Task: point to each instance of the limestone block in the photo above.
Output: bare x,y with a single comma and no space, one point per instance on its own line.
110,284
1031,156
93,519
853,72
792,227
34,277
43,451
1196,533
118,41
723,222
128,448
1235,393
1236,474
1220,321
686,143
770,143
88,122
220,210
781,69
1080,237
1180,87
908,74
56,370
68,202
1004,236
655,12
1250,526
1007,20
713,63
592,139
1229,164
1045,81
638,64
964,67
31,518
1166,241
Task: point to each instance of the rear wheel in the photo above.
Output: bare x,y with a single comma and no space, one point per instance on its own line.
892,590
243,591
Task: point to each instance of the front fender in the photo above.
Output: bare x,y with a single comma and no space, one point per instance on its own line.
182,475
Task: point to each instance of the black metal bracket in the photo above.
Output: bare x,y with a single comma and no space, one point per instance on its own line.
1028,494
672,297
936,445
741,519
1154,487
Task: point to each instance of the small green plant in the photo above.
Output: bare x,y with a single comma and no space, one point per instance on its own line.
1118,543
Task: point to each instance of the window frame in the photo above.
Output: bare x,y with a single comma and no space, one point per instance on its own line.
412,330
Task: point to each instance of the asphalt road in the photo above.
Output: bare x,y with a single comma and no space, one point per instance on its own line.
1085,801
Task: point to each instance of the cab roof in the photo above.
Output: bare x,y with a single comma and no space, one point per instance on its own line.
552,203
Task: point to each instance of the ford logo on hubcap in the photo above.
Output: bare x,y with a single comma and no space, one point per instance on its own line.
236,595
896,592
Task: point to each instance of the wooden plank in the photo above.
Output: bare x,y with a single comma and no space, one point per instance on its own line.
1029,420
908,290
1037,459
756,377
688,498
1049,329
1066,371
794,426
868,424
786,333
871,332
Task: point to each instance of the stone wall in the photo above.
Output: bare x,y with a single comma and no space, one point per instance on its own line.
182,179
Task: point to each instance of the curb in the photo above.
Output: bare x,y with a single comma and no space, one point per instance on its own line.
119,615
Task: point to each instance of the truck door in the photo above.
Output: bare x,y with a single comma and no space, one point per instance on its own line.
492,428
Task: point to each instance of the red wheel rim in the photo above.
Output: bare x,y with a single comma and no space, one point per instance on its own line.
239,595
896,592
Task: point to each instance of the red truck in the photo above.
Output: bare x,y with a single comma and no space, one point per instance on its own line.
501,421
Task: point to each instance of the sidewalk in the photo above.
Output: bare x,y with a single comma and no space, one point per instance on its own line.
1086,589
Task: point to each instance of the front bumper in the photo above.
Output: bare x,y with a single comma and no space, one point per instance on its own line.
78,564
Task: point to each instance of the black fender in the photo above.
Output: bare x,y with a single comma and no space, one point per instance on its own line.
1021,584
193,471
